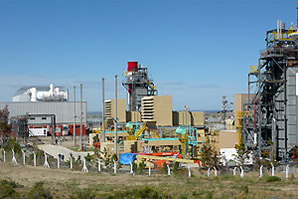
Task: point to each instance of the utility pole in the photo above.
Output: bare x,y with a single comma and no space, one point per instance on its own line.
74,116
115,121
186,114
81,122
103,112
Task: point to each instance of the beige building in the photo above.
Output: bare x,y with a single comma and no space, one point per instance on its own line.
110,109
227,139
194,118
239,101
157,109
133,116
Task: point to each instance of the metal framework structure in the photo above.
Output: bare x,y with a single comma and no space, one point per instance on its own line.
269,117
138,85
20,126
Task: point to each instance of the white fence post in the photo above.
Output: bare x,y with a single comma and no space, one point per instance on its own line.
24,158
189,172
272,173
261,171
169,170
14,161
131,168
3,155
70,162
46,164
149,170
215,171
115,167
234,171
208,172
287,171
34,159
241,172
85,169
58,161
99,166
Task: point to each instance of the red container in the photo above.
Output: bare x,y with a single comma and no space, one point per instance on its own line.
132,66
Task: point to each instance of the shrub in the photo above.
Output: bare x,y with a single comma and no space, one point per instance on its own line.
270,178
10,183
140,193
7,189
39,192
84,193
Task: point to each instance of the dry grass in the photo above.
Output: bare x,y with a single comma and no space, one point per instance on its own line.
65,184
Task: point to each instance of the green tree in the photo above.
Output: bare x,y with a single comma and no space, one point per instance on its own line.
5,128
209,156
242,153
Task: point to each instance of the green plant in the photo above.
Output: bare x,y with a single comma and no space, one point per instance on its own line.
7,189
176,166
242,153
164,168
209,156
10,144
139,193
83,193
245,189
272,179
141,167
39,192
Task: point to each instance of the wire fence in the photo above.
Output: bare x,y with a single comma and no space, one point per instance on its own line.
37,158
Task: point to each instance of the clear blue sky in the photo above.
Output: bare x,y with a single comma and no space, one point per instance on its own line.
196,50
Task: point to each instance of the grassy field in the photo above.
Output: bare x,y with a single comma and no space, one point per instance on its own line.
75,184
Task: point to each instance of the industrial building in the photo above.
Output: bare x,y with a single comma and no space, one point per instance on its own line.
270,114
110,110
157,109
38,103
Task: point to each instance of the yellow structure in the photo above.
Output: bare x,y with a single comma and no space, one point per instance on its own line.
135,135
110,110
157,109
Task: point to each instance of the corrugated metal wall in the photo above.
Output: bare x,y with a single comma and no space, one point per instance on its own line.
63,110
292,110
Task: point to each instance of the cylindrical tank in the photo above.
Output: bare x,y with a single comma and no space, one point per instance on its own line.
132,66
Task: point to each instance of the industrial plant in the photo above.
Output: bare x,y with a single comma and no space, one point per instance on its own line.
143,128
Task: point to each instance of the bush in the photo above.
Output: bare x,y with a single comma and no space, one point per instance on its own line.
7,189
84,193
140,193
12,144
10,183
39,192
270,178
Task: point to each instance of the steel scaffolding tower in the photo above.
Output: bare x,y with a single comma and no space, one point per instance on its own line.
269,121
138,85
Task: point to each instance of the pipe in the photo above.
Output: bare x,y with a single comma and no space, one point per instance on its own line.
103,111
74,116
115,121
81,118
